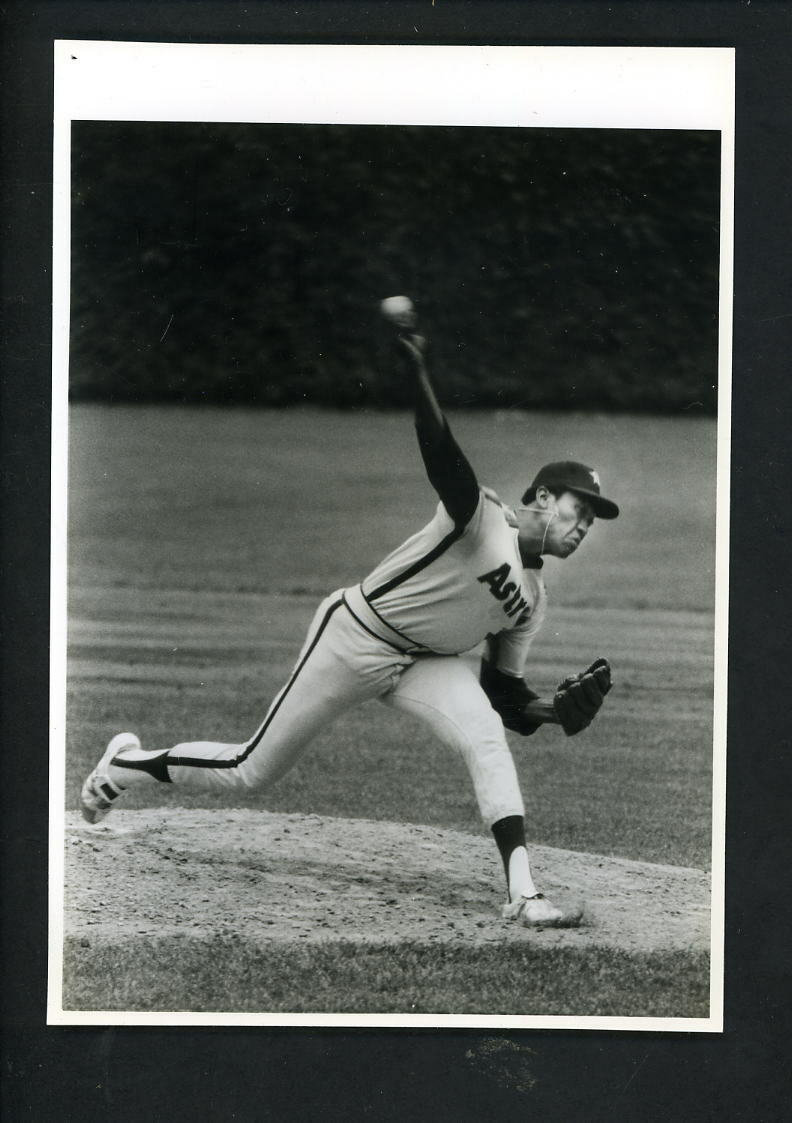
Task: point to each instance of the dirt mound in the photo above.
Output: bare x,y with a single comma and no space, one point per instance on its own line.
271,877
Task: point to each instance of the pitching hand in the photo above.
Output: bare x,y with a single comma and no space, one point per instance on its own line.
415,345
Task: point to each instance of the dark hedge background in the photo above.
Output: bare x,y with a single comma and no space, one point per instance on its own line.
244,263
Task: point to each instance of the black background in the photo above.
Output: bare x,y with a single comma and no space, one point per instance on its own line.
260,1074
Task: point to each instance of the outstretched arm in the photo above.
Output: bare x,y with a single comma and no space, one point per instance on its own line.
447,466
519,707
574,705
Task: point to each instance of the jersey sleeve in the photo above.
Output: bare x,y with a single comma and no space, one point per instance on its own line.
507,651
448,469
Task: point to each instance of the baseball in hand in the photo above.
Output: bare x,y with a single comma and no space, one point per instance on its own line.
400,310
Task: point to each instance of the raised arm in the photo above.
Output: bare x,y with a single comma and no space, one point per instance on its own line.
447,466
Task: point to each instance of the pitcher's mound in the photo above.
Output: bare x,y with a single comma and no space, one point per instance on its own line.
267,877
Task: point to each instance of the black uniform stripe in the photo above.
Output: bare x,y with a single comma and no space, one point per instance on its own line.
366,628
417,566
412,649
390,627
234,762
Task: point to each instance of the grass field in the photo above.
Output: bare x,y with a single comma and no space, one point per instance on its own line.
201,541
416,979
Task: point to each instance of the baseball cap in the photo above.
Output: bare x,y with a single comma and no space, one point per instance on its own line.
569,475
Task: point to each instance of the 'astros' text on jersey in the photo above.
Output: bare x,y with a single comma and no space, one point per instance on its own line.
449,586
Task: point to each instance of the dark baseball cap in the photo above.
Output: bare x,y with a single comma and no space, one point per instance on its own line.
569,475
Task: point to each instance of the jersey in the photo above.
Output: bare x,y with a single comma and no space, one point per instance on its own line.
452,585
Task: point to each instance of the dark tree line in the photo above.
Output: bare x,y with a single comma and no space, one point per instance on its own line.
244,263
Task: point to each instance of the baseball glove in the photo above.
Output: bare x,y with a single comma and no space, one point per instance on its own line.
577,699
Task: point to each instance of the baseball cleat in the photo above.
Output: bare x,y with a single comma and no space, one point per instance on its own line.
538,912
99,793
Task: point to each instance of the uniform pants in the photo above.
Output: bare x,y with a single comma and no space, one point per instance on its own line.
342,664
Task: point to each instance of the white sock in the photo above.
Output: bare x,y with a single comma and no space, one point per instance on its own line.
521,883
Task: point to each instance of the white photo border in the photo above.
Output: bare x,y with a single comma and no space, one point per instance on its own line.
537,87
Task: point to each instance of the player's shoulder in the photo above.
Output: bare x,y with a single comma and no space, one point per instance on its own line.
489,515
492,505
488,519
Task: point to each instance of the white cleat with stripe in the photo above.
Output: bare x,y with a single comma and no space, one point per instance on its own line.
99,794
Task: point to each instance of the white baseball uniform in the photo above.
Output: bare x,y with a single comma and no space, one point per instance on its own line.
396,637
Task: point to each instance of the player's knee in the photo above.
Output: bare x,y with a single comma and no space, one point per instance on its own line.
485,726
260,771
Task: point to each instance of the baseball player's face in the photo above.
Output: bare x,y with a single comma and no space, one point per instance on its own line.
570,518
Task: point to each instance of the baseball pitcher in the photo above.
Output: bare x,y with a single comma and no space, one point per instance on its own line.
471,574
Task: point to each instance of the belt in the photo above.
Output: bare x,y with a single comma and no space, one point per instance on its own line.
376,625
